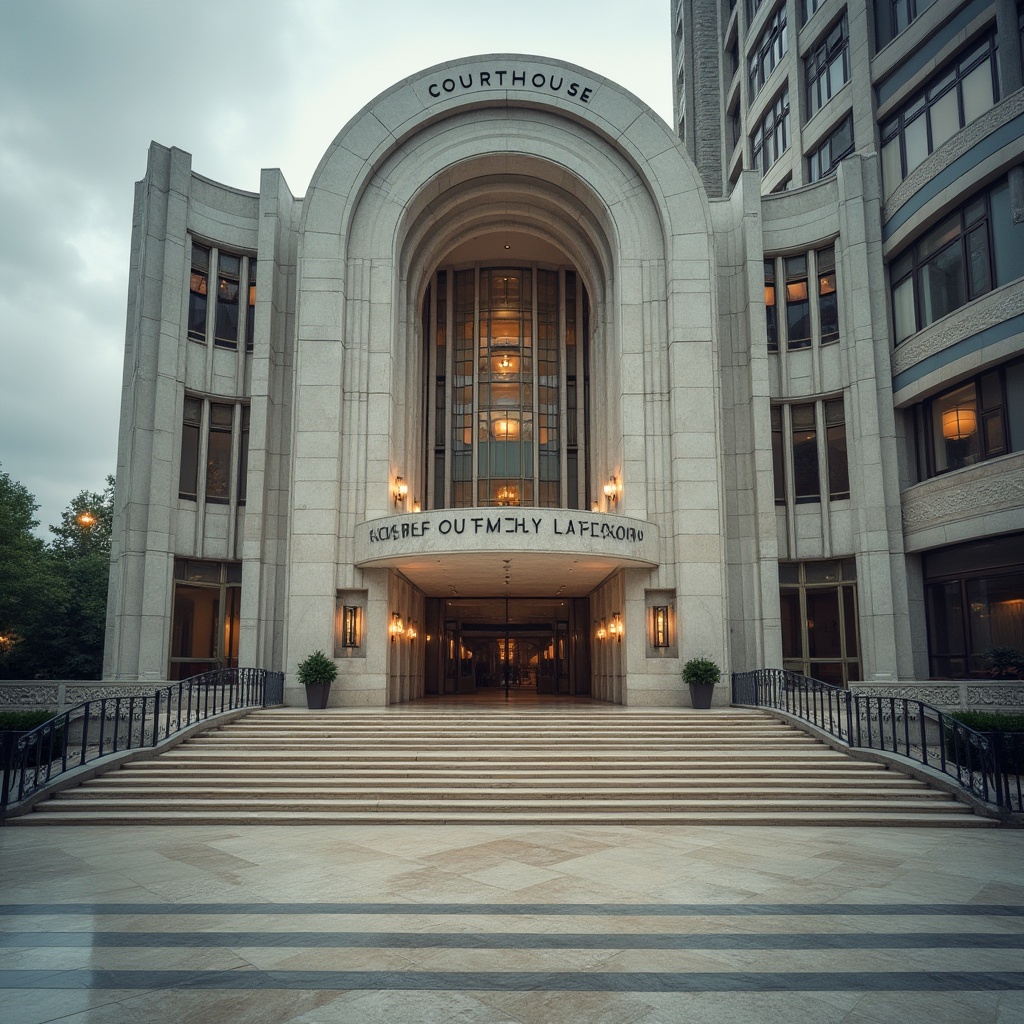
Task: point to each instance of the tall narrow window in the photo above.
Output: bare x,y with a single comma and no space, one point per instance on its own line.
250,313
218,454
771,136
805,454
188,471
827,67
198,285
243,456
826,158
228,270
770,309
798,306
778,460
835,436
828,309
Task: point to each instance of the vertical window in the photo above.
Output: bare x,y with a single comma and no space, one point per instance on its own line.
974,421
206,620
953,263
828,309
959,93
770,308
819,619
771,137
974,602
770,49
250,312
188,471
827,67
893,16
218,453
825,159
798,305
836,456
197,292
243,456
517,407
778,459
228,270
805,454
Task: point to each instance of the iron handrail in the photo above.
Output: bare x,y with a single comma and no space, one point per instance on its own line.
987,765
96,728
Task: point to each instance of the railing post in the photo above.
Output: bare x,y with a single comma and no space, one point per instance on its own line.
156,718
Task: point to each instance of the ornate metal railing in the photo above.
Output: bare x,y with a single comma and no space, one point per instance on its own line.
33,760
987,765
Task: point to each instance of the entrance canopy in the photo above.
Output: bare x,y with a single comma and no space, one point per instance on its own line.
524,552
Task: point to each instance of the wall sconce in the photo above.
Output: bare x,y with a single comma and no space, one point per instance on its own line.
611,491
416,504
659,626
411,632
396,628
602,633
350,626
615,628
401,491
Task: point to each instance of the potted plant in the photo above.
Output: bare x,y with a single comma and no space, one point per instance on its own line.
316,673
701,675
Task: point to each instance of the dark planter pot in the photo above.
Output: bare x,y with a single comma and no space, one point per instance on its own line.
700,695
316,696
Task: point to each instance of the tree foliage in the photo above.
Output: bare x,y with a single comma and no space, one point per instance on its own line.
53,597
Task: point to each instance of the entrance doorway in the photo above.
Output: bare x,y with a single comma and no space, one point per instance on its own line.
501,647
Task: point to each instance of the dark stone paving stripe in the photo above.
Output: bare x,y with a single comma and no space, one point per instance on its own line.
504,940
523,909
523,981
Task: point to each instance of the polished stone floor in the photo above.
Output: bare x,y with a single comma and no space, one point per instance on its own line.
503,925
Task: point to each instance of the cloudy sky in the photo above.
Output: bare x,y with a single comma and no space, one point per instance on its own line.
86,84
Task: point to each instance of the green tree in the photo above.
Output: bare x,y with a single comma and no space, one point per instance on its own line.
80,552
31,592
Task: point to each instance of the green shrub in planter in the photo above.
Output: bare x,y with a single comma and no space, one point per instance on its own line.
701,675
316,673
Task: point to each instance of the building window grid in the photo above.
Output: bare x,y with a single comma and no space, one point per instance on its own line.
800,320
214,455
965,256
206,619
771,137
895,16
771,47
222,320
953,98
827,66
800,466
978,419
836,147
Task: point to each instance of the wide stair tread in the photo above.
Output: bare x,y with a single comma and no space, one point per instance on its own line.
511,767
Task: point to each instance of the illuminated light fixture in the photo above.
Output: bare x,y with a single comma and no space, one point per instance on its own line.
959,423
507,246
396,629
611,491
507,495
505,363
350,626
602,633
594,507
401,491
615,628
505,429
85,519
659,626
411,631
416,504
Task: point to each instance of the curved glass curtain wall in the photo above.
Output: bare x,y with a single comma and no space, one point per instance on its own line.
506,356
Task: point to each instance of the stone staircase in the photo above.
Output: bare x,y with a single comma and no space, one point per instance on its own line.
591,764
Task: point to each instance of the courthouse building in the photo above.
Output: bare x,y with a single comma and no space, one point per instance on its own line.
530,389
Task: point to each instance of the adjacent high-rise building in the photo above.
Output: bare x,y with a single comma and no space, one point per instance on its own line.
531,390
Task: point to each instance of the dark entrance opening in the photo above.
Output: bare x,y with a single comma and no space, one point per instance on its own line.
494,646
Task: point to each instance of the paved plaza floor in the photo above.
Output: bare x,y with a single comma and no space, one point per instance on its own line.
511,925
